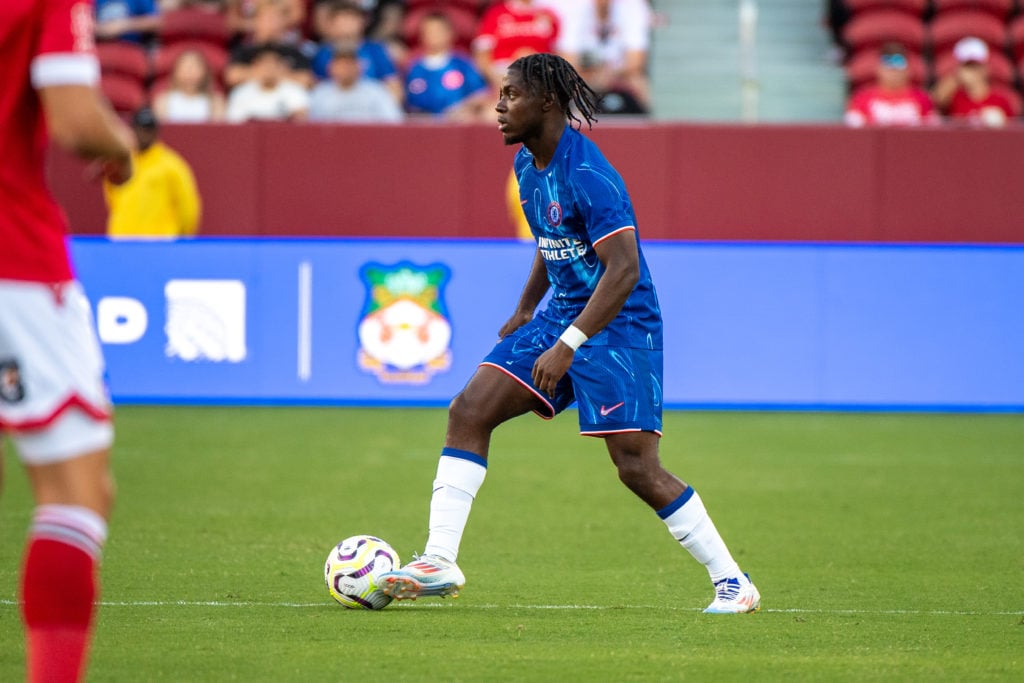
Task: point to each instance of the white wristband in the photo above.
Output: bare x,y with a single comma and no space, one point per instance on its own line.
573,337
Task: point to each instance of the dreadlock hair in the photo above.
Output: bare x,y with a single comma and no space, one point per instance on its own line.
548,73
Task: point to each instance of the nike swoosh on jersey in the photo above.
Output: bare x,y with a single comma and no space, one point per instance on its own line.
605,412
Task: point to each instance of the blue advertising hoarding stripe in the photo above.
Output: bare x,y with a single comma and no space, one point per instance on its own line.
749,326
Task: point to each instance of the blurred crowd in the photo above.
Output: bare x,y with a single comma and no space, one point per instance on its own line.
381,61
925,62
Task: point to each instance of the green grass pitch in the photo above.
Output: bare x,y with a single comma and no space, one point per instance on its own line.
886,547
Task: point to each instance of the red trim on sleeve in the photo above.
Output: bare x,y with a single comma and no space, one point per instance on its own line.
614,232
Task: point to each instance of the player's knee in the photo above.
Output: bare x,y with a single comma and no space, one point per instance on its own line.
463,412
635,470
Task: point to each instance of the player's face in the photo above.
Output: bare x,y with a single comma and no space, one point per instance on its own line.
520,112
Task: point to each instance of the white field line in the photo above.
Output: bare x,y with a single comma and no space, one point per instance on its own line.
325,603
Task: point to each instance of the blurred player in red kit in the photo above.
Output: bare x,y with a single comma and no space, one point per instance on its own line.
53,402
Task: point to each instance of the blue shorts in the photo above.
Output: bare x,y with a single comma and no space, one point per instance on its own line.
618,389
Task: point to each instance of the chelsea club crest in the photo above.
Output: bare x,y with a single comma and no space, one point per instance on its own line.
554,214
404,333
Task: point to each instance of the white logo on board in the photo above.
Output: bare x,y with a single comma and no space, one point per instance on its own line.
206,320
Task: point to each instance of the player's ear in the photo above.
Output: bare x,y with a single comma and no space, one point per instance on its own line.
550,102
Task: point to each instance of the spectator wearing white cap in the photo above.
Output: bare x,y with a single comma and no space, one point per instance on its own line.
966,94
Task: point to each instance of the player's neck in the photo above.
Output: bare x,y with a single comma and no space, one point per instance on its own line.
544,145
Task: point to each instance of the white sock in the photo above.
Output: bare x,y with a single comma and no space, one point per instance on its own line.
688,522
71,524
459,476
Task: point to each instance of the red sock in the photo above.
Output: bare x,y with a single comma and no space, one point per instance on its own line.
58,589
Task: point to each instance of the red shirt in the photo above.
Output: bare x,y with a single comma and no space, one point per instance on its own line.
962,106
873,106
511,29
42,43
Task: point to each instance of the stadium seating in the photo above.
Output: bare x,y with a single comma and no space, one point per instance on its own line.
123,58
193,24
1016,38
914,7
873,28
863,66
1000,9
949,27
126,93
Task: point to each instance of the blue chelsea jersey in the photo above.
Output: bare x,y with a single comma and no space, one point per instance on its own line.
571,205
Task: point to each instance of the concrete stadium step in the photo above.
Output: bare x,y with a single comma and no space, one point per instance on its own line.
696,72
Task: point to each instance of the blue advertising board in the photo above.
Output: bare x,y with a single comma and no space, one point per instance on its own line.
405,322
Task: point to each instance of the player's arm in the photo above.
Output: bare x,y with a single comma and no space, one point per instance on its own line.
534,290
621,259
81,121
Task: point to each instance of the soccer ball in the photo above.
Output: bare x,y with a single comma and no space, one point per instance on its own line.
352,570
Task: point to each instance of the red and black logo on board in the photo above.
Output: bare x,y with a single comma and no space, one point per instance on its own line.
11,388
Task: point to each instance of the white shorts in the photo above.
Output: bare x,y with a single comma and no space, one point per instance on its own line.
53,400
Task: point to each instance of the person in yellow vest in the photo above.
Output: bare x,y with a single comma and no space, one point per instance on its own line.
515,208
161,200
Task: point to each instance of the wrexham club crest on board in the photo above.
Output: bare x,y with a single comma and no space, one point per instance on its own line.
404,333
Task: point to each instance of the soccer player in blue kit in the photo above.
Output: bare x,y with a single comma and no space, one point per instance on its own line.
597,343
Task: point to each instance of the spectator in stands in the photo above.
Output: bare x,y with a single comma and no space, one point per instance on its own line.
130,20
348,96
385,27
268,94
510,29
441,82
892,100
966,94
608,41
190,96
160,201
269,27
344,27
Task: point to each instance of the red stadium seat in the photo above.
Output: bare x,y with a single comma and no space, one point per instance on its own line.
949,27
1000,68
192,23
871,29
863,66
915,7
1000,9
126,94
216,56
1016,35
123,58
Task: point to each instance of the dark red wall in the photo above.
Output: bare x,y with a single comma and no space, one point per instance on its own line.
687,181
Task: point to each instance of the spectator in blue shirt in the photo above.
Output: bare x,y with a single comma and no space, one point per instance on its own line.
442,82
126,19
345,26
